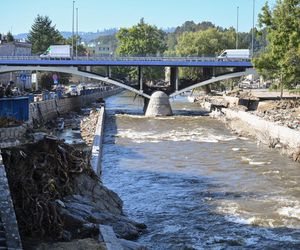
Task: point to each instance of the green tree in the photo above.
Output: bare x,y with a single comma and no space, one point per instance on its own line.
142,40
80,48
46,79
9,37
281,58
43,34
209,42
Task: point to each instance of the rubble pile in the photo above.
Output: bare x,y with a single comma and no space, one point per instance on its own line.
72,120
217,101
282,112
88,126
9,122
57,196
242,94
40,173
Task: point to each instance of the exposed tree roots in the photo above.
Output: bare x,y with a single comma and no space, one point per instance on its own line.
38,174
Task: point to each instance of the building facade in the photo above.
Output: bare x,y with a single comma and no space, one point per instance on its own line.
99,49
22,79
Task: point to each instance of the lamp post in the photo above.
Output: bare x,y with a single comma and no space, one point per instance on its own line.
76,44
73,30
252,44
237,29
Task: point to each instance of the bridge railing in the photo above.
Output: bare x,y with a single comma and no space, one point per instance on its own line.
131,58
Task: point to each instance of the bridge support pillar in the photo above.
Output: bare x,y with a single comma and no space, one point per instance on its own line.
140,77
36,81
108,71
174,78
86,79
159,105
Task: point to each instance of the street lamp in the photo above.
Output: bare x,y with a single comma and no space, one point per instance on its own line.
252,44
237,29
73,30
76,44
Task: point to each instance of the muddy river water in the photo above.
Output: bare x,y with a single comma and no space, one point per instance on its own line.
195,184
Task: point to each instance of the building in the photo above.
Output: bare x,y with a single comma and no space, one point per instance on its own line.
22,79
99,49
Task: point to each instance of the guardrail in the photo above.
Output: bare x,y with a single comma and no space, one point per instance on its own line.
131,58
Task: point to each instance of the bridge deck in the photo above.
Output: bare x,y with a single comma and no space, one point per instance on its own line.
129,61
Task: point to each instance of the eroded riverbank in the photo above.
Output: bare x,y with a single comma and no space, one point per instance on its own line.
57,195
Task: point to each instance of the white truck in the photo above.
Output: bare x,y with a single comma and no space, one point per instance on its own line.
57,52
235,53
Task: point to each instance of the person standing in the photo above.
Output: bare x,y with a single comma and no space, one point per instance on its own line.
2,90
8,91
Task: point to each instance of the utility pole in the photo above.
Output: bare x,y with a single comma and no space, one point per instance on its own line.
237,29
73,30
76,33
252,45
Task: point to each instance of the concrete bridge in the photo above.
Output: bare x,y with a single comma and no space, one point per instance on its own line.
81,66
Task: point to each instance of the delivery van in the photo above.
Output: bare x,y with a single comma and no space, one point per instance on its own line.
235,53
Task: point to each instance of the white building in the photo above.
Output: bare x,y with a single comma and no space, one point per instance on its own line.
22,79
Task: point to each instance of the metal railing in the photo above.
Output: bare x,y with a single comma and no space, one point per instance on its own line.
131,58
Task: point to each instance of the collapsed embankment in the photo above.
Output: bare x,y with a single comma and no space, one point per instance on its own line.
58,197
276,134
60,201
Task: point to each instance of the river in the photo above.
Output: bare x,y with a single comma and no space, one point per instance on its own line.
195,184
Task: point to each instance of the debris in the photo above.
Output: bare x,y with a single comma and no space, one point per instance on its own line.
88,126
9,122
40,173
282,112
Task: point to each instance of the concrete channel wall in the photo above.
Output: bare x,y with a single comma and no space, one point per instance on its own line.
107,233
9,232
96,156
269,131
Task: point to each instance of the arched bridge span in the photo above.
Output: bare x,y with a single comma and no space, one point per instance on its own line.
240,67
73,71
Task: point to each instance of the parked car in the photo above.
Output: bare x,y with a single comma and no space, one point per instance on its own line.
73,90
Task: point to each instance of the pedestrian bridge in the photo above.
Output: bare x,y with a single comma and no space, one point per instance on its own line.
81,65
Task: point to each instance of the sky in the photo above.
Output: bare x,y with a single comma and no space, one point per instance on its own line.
18,16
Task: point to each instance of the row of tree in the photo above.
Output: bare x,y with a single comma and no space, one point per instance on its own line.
276,42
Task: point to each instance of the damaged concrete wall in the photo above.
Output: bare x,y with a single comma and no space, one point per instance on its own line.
267,131
46,110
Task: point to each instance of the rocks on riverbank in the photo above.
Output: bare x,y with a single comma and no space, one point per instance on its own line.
281,112
58,197
88,126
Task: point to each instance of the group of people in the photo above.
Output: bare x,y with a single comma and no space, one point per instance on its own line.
6,90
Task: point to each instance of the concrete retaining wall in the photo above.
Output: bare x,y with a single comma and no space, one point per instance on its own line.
47,110
40,112
260,128
7,213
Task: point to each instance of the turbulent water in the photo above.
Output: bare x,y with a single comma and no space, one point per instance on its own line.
195,184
